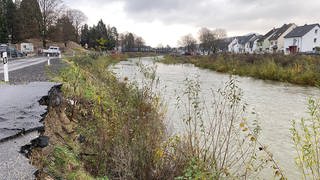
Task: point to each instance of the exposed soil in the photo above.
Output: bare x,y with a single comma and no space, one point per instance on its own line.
57,126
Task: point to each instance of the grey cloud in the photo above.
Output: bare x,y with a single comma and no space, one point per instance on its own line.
235,15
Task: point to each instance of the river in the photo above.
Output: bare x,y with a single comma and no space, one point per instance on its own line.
275,104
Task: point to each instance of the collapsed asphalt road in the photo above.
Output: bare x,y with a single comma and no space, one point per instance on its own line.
20,110
21,113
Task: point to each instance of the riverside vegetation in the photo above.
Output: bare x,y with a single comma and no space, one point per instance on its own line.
116,130
296,69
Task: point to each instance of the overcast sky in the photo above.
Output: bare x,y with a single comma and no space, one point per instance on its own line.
165,21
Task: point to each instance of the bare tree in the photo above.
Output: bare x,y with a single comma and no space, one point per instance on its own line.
49,14
220,33
78,18
207,40
139,43
188,42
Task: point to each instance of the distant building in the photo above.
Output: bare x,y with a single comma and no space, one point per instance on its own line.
302,39
242,44
252,45
277,38
222,44
27,48
263,44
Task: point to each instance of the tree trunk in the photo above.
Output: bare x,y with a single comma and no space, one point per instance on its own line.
44,42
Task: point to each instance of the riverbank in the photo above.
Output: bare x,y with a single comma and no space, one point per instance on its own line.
102,127
299,69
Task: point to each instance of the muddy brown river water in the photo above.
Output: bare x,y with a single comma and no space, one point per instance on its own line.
275,104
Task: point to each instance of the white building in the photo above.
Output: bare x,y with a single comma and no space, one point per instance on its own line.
243,44
277,39
302,39
252,45
264,43
27,48
235,46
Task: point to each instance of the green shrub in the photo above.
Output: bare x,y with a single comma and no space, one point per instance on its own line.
306,138
122,124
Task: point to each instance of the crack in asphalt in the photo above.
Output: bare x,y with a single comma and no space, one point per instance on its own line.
21,116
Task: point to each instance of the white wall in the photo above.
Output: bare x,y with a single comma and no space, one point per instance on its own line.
290,42
233,47
308,40
247,48
281,38
280,41
305,43
255,47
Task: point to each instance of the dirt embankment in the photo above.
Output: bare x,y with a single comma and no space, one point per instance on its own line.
57,127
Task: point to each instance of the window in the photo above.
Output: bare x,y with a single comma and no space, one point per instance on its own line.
315,40
295,42
316,31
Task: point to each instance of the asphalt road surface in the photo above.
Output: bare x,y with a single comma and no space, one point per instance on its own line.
20,112
22,63
31,70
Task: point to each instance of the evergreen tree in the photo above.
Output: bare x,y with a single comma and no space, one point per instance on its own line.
100,36
101,30
84,39
3,27
11,19
7,20
30,19
112,38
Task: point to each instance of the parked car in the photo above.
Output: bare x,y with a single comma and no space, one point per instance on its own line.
11,51
3,48
14,53
52,51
